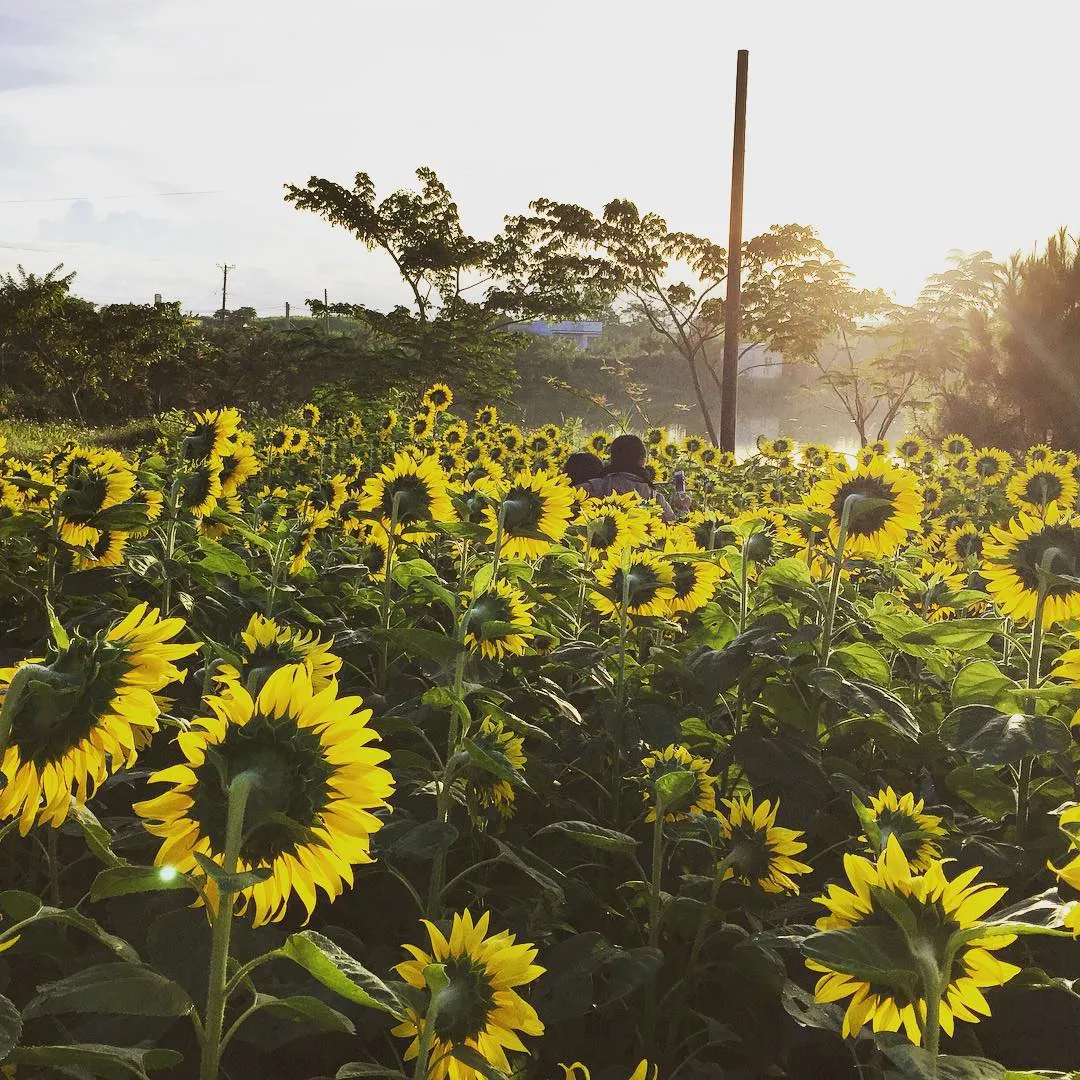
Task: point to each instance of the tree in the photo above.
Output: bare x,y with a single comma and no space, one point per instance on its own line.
465,293
61,355
673,280
882,357
1020,379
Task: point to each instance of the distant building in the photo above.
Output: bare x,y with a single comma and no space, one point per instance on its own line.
581,333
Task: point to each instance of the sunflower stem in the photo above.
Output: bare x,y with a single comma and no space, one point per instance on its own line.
388,582
931,980
170,547
1023,774
275,577
656,873
834,583
214,1017
703,922
743,586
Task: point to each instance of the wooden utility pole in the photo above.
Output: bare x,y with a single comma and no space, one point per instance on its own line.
326,310
224,268
733,302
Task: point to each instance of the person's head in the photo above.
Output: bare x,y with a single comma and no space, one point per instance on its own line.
582,467
628,454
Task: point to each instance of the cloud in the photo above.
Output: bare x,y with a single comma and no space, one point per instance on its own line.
120,229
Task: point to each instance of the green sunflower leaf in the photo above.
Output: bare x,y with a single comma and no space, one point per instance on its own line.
10,1027
872,954
583,832
231,883
495,764
124,880
338,971
362,1068
986,736
93,1059
475,1060
915,1063
117,988
302,1008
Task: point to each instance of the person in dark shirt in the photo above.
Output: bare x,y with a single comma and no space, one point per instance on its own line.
625,472
582,467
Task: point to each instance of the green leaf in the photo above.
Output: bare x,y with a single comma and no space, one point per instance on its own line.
304,1008
985,736
863,661
231,883
70,917
338,971
800,1005
18,905
97,837
60,635
915,1063
979,683
874,954
583,832
10,1027
983,789
117,988
959,635
492,763
218,559
124,880
424,841
546,881
673,786
93,1059
362,1068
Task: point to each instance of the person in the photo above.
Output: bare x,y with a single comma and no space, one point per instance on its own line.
625,472
582,467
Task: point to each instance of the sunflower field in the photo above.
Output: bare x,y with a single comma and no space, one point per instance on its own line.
369,746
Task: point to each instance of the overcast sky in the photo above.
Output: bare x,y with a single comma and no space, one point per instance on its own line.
900,131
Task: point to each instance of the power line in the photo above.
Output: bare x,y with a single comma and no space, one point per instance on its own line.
224,268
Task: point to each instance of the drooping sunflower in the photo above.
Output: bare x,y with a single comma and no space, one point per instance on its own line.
80,715
938,581
303,538
904,817
484,1011
883,526
760,852
418,488
237,467
309,816
535,509
267,646
693,582
505,747
700,799
1014,556
211,434
200,487
645,578
107,550
939,907
103,481
1040,484
498,603
438,397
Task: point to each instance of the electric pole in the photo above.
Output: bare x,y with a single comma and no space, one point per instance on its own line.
326,310
733,301
224,268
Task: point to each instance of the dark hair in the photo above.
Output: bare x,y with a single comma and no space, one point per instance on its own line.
582,467
627,454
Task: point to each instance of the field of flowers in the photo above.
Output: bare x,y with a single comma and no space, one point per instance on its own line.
370,746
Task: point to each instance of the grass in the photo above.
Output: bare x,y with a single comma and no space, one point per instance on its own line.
31,439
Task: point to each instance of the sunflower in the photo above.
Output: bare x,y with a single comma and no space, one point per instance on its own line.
1065,458
107,550
643,577
511,439
955,445
910,448
1039,453
309,815
482,1009
77,717
711,530
904,818
310,415
278,443
613,523
417,488
211,434
304,539
267,645
1015,555
354,426
815,455
991,466
499,621
298,440
963,544
939,907
655,437
325,495
438,398
1040,484
694,583
700,799
759,852
598,443
421,425
642,1072
536,510
692,445
102,482
879,529
200,487
508,749
237,467
709,456
487,416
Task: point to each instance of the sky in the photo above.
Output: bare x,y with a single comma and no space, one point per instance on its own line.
143,142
